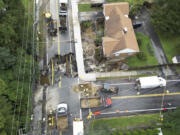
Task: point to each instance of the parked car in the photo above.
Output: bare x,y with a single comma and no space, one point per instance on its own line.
137,24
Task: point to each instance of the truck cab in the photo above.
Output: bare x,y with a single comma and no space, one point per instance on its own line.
62,109
62,116
63,7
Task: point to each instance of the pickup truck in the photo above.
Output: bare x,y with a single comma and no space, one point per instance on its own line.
62,116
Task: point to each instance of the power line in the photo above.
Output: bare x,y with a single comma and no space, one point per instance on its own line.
18,76
22,89
30,74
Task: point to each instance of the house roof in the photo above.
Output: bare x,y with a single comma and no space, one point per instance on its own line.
119,32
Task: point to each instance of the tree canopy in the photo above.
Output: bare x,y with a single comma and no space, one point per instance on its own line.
166,16
15,63
172,120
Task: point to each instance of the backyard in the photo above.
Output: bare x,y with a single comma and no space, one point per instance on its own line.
146,55
171,45
87,8
132,125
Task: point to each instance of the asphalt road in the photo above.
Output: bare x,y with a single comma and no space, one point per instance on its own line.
127,99
56,93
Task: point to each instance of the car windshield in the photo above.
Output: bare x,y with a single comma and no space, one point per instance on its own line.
62,110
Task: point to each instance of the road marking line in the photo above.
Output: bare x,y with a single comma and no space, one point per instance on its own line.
172,80
148,95
120,83
52,71
80,113
145,110
59,84
58,35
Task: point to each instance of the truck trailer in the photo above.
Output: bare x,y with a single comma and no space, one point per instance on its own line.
63,24
150,82
78,127
62,116
92,102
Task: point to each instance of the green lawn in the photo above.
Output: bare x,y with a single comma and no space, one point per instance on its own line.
145,47
171,45
178,69
130,1
169,132
87,7
97,127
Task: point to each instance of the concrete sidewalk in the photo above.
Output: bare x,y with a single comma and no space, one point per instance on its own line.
116,74
78,45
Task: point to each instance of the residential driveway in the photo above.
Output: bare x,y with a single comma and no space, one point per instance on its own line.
149,30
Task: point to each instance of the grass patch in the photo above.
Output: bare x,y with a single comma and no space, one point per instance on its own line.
132,2
171,45
178,69
87,7
169,132
121,123
146,56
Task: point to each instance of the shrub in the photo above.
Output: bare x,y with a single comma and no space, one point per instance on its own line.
120,133
128,133
86,24
135,132
134,10
142,132
139,42
98,54
141,56
98,41
150,49
150,132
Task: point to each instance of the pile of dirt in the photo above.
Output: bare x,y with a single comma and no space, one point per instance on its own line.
90,102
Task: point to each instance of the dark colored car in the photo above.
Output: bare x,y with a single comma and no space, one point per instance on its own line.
112,90
137,24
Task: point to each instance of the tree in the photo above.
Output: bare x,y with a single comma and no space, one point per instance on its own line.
5,116
2,6
166,17
172,120
6,59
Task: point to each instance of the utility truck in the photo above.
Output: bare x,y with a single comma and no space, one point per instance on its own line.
150,82
63,4
51,24
62,116
78,127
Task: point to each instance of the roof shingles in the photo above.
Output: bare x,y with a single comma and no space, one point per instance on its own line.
115,39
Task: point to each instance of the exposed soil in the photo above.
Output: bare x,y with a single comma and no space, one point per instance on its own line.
92,48
88,37
90,102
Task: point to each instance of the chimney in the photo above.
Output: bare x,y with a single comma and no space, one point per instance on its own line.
107,18
125,30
